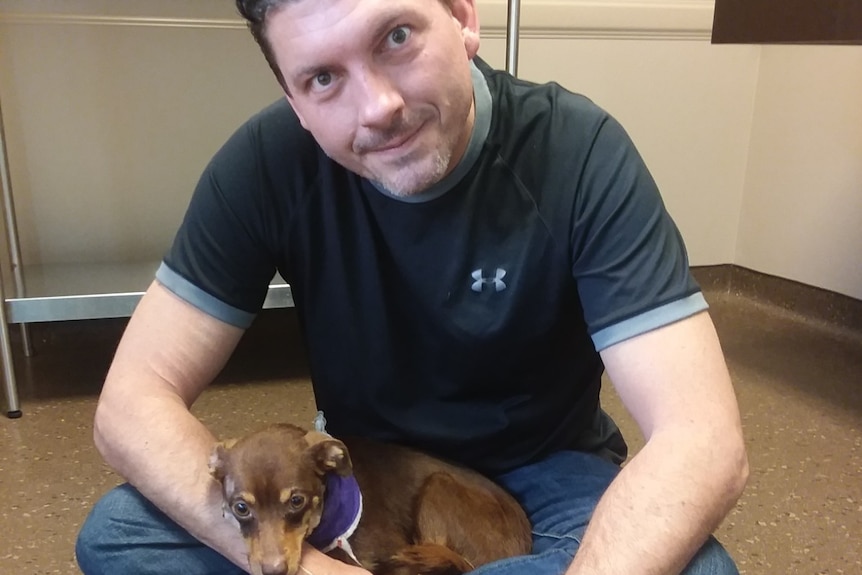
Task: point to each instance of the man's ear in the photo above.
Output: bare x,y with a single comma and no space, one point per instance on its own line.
295,111
328,454
219,459
467,16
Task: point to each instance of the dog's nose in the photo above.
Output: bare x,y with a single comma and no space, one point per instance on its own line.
277,567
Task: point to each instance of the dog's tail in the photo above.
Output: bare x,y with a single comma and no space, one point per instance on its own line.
429,559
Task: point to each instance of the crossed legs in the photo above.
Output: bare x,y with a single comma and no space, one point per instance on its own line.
125,533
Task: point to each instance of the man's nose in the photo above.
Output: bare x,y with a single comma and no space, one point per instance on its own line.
380,100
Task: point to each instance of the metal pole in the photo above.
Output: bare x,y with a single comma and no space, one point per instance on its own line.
12,233
13,409
512,33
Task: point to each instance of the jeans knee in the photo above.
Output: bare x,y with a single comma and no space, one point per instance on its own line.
712,559
86,553
97,532
126,533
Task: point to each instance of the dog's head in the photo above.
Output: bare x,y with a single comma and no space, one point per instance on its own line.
273,485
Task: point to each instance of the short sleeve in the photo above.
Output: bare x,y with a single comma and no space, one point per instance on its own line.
629,259
222,258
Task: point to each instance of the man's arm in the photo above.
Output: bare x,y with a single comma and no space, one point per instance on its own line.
674,492
169,353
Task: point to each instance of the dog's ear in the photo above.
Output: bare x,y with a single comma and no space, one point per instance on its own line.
218,459
328,454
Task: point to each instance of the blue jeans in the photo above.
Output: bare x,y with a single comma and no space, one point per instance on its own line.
126,534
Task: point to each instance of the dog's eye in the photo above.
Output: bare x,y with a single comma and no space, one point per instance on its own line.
297,502
241,509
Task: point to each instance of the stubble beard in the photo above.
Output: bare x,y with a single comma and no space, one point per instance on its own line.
419,169
413,176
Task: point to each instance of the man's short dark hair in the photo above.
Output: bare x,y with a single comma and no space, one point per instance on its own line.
255,13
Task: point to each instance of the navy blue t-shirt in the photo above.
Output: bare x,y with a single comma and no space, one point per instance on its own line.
466,320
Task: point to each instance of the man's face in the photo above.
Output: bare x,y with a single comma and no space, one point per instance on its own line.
383,85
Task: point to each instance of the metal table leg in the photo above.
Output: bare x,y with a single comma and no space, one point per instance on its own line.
12,232
13,409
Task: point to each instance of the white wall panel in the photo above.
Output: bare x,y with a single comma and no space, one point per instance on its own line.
802,209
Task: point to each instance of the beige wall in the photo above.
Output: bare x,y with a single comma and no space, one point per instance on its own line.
802,208
112,109
110,123
686,105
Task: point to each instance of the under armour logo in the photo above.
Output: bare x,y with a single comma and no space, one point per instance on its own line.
482,281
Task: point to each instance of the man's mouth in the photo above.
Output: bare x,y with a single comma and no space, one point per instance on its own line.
393,144
396,143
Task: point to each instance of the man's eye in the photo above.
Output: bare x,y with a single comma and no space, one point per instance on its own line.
399,35
322,80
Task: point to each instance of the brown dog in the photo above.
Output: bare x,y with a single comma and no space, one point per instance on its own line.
284,485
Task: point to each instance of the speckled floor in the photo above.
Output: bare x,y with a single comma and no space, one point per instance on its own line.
799,386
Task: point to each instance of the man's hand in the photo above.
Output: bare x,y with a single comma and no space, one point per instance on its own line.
316,563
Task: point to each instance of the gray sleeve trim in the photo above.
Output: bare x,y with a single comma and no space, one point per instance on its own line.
650,320
188,292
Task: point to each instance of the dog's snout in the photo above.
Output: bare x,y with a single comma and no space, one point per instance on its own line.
277,567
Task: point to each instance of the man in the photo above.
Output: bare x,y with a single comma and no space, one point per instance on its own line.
467,252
